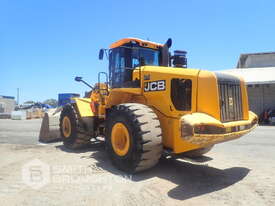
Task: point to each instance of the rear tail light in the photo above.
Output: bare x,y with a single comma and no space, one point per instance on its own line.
187,131
209,129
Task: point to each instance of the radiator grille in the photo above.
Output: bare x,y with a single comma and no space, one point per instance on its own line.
230,100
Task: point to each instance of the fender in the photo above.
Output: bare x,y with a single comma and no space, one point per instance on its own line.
84,107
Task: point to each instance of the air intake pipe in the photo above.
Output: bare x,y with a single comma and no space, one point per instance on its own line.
165,57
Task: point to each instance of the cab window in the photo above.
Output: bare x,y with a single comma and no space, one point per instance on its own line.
123,60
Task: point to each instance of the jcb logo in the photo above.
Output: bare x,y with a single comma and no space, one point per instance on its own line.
154,86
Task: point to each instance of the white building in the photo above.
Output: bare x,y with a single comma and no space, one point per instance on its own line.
258,71
7,105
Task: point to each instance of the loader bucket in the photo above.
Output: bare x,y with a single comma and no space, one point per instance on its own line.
49,131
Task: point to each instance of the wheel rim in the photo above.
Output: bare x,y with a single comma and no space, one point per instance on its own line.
66,127
120,139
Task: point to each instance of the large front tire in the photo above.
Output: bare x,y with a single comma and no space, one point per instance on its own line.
133,137
70,129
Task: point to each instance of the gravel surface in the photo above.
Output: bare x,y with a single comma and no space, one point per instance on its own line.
238,172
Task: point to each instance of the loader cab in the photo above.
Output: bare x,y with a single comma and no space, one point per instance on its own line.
124,58
129,54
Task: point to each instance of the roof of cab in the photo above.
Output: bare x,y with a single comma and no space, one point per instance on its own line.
143,43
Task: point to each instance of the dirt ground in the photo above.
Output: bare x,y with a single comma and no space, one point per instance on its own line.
239,172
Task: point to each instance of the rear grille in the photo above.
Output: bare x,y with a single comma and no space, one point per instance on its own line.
230,98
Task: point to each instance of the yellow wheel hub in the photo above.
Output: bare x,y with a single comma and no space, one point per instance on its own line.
66,127
120,139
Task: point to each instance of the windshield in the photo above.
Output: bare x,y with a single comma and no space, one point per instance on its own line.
146,56
122,60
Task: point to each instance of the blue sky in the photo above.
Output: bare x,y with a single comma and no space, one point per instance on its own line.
45,43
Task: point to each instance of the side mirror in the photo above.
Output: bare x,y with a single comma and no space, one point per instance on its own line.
169,43
101,54
78,79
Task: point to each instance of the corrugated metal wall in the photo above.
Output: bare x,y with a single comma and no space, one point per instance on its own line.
261,97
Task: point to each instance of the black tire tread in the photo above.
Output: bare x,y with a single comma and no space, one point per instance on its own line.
81,139
148,128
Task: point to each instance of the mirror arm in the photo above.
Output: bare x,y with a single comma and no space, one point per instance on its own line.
87,84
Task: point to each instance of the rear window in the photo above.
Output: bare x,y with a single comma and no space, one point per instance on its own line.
181,93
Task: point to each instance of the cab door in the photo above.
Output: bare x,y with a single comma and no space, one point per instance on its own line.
121,68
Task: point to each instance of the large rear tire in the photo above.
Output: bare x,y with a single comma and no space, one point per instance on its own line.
133,137
72,134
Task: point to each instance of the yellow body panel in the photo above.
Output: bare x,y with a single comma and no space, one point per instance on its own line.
203,140
244,99
208,94
205,101
84,108
205,106
161,100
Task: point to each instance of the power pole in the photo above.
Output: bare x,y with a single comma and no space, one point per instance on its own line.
18,96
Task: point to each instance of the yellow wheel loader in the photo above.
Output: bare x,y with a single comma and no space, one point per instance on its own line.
150,104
